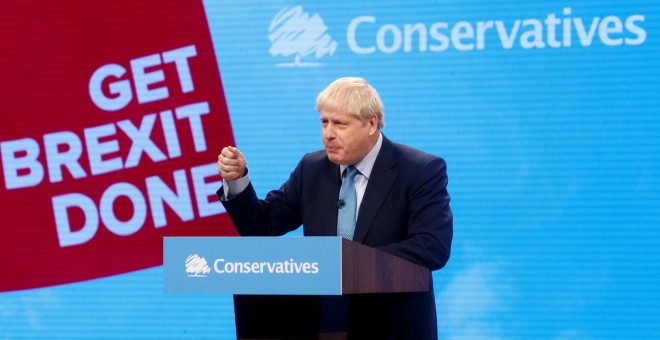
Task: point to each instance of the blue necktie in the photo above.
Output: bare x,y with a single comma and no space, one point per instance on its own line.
347,204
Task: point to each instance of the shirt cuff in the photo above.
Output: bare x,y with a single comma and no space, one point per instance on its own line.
232,188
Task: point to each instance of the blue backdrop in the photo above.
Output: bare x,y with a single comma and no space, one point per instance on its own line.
547,113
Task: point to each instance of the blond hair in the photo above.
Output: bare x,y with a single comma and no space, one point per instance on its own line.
353,96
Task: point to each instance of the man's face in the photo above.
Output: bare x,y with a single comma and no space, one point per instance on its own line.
346,138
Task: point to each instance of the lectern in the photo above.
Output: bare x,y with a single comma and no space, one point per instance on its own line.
287,287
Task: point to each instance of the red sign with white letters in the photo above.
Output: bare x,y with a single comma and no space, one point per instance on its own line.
113,114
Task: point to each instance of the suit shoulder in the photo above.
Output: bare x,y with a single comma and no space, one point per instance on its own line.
415,156
316,158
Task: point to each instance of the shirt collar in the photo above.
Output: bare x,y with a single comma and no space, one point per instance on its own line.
366,164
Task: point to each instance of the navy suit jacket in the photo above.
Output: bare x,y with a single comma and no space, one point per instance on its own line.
405,212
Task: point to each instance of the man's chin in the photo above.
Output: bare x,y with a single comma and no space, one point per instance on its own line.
333,157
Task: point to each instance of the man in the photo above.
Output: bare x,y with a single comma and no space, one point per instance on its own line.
402,204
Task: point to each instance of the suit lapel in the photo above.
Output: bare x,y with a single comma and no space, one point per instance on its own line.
380,183
327,209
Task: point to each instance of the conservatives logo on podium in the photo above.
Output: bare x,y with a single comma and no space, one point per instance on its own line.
196,266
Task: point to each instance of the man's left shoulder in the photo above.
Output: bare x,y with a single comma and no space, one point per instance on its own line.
410,154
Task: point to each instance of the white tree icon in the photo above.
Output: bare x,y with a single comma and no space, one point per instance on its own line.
294,32
196,266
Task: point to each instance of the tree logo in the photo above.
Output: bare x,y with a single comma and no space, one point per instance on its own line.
295,33
197,266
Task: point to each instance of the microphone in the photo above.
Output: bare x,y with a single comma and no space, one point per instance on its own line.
340,204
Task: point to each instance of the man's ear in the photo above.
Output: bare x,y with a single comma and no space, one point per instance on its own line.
373,124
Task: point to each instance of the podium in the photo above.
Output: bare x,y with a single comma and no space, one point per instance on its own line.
287,287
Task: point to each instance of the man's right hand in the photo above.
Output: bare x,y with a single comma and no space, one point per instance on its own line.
231,163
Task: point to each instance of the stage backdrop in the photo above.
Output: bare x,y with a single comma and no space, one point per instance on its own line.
547,113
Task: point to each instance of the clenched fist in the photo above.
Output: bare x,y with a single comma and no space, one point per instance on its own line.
231,163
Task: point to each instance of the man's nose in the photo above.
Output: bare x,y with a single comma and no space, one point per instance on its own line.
329,132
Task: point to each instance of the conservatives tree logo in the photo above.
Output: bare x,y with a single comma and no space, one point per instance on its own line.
197,266
294,33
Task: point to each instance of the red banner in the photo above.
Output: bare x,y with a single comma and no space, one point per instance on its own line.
113,114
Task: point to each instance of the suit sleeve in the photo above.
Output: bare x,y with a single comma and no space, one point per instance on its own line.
429,229
277,214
